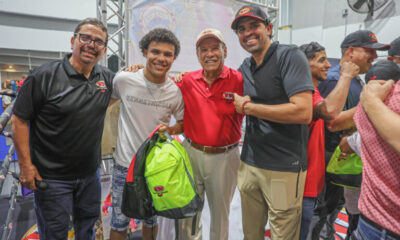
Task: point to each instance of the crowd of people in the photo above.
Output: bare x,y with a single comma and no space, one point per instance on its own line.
297,108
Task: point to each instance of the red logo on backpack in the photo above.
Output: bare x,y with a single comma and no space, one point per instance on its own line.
159,190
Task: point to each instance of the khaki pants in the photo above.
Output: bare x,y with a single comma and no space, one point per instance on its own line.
216,176
274,195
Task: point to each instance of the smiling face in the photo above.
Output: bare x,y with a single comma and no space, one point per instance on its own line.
211,54
319,66
88,53
254,35
160,56
363,57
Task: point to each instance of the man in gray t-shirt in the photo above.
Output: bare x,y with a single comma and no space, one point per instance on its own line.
148,99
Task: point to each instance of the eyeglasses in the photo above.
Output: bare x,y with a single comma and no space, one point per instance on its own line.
86,39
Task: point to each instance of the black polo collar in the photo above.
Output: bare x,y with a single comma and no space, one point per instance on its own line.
268,54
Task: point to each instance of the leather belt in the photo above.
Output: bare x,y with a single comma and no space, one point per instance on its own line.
379,228
212,150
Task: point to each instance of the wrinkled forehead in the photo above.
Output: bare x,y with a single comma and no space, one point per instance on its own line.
93,30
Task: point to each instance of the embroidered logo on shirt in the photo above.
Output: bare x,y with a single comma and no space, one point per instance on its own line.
228,96
101,84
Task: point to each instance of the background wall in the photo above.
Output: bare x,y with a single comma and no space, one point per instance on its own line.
35,32
323,21
22,35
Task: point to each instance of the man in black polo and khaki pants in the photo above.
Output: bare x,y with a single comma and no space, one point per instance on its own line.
278,106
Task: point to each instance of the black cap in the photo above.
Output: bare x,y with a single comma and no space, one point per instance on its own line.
363,38
395,49
249,11
383,70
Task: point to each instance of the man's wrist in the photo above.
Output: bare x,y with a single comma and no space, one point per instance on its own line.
368,103
348,76
244,105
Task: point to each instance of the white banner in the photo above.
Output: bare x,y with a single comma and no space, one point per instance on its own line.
186,18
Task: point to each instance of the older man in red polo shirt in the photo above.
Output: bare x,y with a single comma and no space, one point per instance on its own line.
212,132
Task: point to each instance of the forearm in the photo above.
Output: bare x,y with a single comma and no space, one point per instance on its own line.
385,121
20,131
343,121
334,102
288,113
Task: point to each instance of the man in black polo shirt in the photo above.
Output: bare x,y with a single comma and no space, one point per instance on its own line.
278,106
57,127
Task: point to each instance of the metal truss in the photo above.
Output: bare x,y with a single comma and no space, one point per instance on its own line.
107,11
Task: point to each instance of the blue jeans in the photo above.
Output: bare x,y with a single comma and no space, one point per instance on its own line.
79,199
366,231
307,214
120,222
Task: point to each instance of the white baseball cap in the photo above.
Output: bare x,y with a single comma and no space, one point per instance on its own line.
209,33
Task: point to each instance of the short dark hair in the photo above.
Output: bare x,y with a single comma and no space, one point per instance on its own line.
92,21
344,50
311,48
383,70
160,35
266,23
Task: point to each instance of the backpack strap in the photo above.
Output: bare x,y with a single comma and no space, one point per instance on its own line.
193,227
176,229
194,224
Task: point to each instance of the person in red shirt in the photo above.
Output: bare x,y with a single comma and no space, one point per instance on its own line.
212,132
323,109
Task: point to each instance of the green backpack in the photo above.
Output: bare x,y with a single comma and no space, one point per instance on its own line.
344,169
160,181
170,181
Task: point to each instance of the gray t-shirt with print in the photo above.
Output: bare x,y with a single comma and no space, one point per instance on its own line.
144,106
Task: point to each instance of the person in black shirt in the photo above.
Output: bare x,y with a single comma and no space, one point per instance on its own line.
58,120
277,103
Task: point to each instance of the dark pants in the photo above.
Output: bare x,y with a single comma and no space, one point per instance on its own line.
329,204
353,222
306,216
79,199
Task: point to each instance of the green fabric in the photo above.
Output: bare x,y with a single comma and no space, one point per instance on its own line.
167,170
344,169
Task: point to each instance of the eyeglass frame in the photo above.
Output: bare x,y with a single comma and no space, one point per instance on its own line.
95,41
